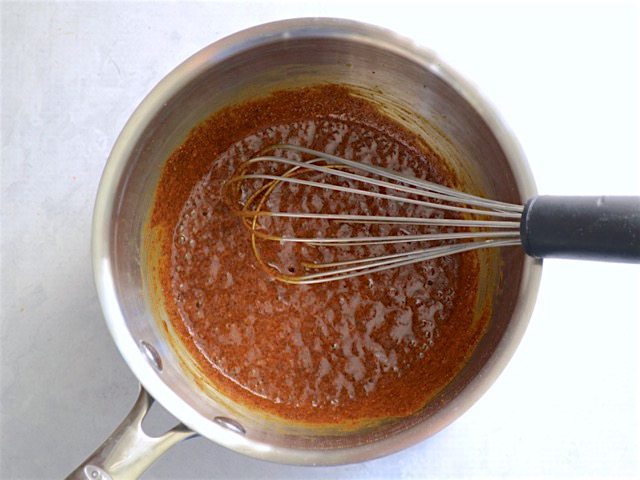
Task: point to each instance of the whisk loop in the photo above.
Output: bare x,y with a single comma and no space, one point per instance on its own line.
498,225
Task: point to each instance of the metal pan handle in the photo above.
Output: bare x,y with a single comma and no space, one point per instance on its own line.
128,451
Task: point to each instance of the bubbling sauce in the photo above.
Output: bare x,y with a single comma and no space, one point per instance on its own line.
346,352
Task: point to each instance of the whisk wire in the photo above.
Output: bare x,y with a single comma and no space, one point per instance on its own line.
501,210
377,264
384,172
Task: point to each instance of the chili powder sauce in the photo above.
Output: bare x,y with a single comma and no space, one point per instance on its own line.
351,351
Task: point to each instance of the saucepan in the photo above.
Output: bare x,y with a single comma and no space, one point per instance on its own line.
406,80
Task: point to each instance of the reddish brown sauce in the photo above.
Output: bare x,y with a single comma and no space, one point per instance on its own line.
355,350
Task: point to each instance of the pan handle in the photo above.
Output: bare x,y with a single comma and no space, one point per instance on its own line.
128,451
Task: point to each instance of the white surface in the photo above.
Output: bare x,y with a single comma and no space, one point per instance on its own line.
565,79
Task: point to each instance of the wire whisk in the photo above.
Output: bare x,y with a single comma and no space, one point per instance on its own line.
498,225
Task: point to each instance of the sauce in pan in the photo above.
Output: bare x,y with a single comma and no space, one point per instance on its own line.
352,351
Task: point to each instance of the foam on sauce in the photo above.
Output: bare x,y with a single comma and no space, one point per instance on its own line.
365,348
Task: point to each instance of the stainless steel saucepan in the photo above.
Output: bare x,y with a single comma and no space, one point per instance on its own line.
409,83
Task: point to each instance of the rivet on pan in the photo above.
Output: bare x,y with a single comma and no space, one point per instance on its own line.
152,355
230,424
92,472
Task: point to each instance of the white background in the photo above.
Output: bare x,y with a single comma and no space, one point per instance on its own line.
564,76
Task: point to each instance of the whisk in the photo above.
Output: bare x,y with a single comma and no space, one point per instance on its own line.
600,228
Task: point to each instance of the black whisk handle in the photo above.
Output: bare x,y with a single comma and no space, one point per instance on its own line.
590,228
